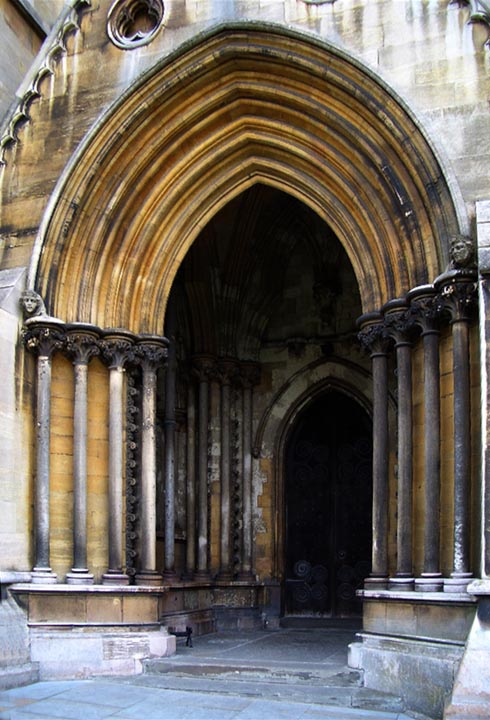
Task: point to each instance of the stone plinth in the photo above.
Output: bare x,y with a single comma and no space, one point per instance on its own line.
471,694
412,644
94,630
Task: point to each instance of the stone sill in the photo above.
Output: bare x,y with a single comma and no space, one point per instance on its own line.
410,596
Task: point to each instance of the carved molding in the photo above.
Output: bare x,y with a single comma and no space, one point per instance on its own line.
69,23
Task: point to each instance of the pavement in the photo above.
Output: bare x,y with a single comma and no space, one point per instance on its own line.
289,674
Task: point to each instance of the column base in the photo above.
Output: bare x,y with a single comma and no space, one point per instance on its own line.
149,577
170,576
247,576
43,576
429,582
202,576
458,582
376,582
225,576
115,578
401,583
79,576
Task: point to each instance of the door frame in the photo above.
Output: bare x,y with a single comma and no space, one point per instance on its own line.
323,398
357,392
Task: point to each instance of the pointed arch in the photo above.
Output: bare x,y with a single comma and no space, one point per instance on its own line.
240,105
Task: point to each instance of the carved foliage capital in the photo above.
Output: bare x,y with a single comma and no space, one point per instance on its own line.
250,374
204,367
458,298
43,339
400,326
375,339
151,353
82,345
116,352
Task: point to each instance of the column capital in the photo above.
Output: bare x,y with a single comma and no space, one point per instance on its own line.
43,336
399,323
204,367
82,342
457,294
117,347
229,370
425,308
373,334
250,373
151,351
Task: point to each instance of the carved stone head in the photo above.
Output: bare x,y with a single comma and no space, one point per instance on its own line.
32,304
462,252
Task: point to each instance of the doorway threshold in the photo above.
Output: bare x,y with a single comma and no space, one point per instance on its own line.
316,621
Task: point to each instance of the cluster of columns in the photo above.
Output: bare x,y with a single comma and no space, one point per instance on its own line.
395,329
118,349
229,383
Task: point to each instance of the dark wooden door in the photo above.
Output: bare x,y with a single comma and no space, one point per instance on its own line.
328,507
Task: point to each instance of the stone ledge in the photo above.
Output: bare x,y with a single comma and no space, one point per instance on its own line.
410,596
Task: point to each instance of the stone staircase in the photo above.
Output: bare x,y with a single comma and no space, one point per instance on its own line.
332,685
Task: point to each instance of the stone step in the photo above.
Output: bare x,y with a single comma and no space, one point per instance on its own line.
270,672
337,690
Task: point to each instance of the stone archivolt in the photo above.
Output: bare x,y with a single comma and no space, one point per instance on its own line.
242,106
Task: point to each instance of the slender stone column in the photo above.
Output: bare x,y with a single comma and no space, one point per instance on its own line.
81,346
117,349
373,337
250,376
191,482
169,424
458,292
43,337
400,329
203,365
151,353
227,369
424,305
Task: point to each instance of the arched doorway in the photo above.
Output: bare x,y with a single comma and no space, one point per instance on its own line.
328,492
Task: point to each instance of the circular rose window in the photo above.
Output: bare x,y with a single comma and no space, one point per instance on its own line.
132,23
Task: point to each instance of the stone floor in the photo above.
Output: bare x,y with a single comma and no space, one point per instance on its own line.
290,674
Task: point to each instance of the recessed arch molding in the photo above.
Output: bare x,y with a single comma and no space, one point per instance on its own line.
239,105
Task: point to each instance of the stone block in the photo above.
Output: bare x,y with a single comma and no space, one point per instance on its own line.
104,608
93,651
56,608
140,608
422,673
483,211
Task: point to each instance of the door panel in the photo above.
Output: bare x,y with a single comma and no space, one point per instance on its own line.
328,507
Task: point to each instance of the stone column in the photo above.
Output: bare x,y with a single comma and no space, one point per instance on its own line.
373,337
400,329
169,424
117,349
424,305
81,346
191,482
250,376
458,293
43,337
151,353
227,369
483,238
203,366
